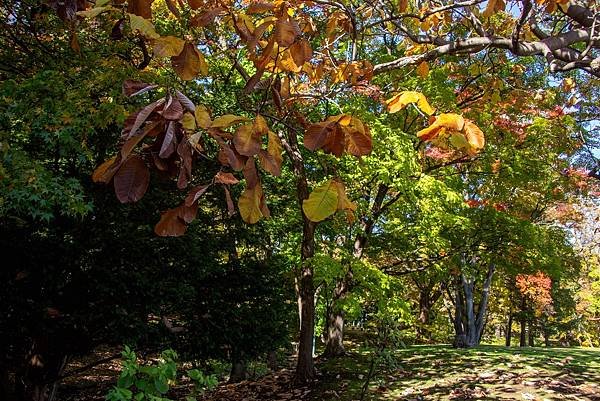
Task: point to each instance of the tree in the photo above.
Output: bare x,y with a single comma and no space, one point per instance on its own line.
284,82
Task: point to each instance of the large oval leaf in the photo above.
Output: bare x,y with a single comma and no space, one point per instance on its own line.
250,204
131,181
322,202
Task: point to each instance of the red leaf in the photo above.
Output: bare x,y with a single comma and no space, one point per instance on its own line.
131,181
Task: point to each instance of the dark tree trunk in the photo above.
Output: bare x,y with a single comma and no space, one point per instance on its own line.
239,371
305,369
531,336
334,345
509,328
272,362
6,389
39,378
427,298
523,322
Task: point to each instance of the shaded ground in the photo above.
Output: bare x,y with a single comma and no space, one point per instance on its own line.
416,373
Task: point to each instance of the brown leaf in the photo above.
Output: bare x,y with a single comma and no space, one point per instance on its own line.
286,32
246,141
260,126
195,193
184,150
170,224
335,142
167,46
143,115
260,7
316,135
173,110
250,173
188,213
169,143
185,102
301,52
105,172
230,205
189,63
226,178
143,8
206,18
358,139
196,4
173,8
271,159
131,181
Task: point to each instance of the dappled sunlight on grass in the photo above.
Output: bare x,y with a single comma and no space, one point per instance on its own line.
488,372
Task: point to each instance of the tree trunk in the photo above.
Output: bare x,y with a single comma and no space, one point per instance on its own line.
335,335
523,319
305,369
427,298
238,372
38,380
531,336
334,340
469,329
509,328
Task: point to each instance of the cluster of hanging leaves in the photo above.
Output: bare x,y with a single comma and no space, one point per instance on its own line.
446,129
177,130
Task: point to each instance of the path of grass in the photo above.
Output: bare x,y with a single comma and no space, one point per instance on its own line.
488,372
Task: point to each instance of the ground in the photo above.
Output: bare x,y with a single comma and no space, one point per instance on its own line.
414,373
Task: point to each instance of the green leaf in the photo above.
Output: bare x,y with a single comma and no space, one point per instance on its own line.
322,202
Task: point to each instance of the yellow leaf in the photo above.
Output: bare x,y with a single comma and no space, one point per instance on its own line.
227,121
423,69
260,125
474,136
322,202
188,122
168,46
142,25
405,98
250,204
202,117
343,202
451,121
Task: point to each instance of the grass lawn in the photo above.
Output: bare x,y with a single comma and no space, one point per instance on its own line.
487,372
